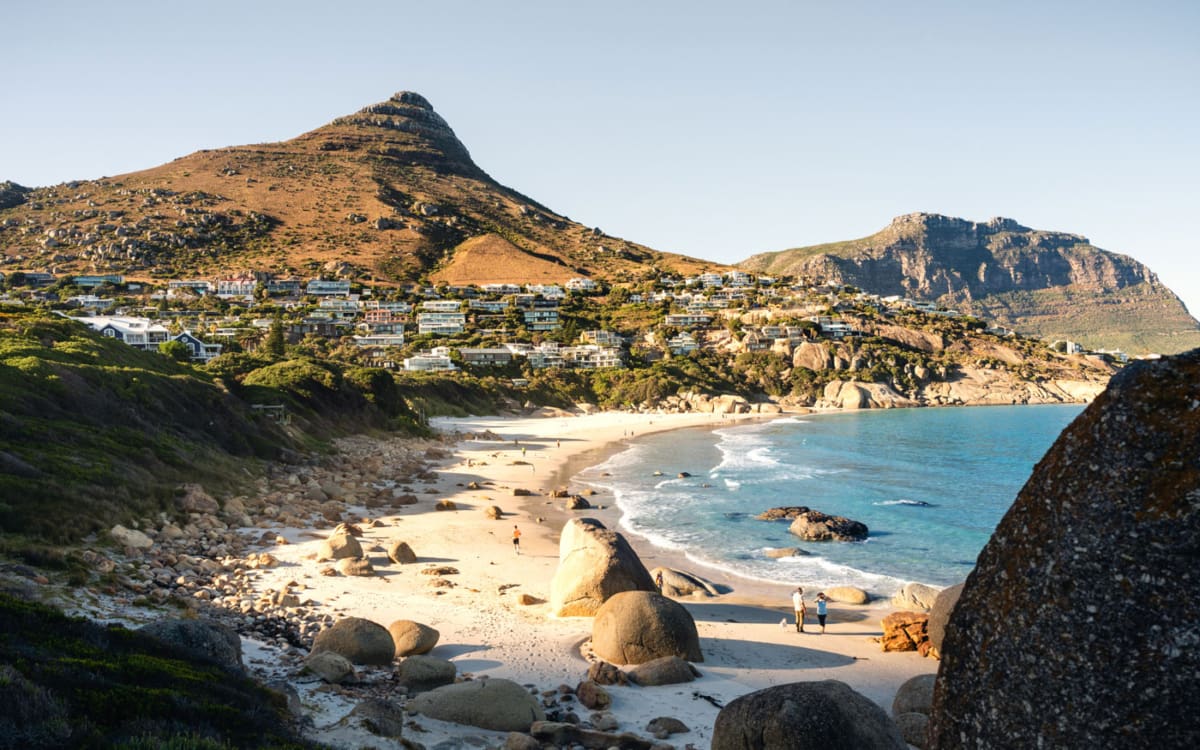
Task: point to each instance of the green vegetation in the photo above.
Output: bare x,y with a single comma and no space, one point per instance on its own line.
67,682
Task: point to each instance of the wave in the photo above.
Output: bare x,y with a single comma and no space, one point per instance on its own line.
906,501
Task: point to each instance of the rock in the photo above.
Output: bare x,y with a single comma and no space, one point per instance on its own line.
330,667
527,600
355,566
778,552
1079,624
404,498
592,696
420,673
338,547
603,673
563,735
914,728
130,537
915,596
827,715
496,704
847,595
605,721
521,492
939,615
518,741
399,552
633,627
445,505
200,639
681,583
665,726
380,717
493,512
577,502
915,695
786,513
342,529
361,641
192,498
815,526
594,563
412,637
667,670
904,631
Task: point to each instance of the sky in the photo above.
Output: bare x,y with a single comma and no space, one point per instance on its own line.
693,127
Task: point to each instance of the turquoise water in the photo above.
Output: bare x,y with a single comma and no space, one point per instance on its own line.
931,485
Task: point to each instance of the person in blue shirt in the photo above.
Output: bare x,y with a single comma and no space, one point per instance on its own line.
821,603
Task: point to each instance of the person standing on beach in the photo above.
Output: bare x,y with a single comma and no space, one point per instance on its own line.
658,581
800,608
516,540
821,602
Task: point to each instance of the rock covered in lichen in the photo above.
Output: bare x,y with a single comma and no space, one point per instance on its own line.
1080,625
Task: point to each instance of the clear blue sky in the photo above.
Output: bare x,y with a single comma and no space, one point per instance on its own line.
694,127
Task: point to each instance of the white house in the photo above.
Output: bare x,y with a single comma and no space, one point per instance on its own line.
140,333
436,359
580,284
441,323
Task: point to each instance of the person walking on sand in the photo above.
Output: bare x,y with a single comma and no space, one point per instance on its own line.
800,608
516,540
821,602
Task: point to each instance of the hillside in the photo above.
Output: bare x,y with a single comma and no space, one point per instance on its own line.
1049,284
386,194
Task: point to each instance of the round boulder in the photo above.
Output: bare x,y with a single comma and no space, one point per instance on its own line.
338,547
412,637
669,670
400,552
361,641
355,566
380,717
914,728
847,595
681,583
493,512
915,695
827,714
201,639
445,505
915,596
594,563
634,627
329,666
421,673
939,615
496,704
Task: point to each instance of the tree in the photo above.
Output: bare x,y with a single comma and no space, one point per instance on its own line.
176,350
275,344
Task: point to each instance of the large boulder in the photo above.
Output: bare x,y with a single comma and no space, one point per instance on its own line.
915,596
201,639
412,637
634,627
939,615
421,673
915,695
361,641
399,552
338,547
497,704
815,526
377,716
330,667
682,583
802,715
1080,624
594,563
131,538
847,595
666,670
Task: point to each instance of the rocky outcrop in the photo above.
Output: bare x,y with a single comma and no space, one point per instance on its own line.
800,715
496,704
841,394
1080,621
633,627
361,641
594,563
816,526
906,631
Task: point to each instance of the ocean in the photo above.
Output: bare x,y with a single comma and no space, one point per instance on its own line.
930,484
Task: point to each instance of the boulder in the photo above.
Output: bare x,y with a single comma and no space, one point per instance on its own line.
634,627
493,512
192,498
778,552
915,695
594,563
200,639
603,673
412,637
665,726
681,583
592,696
939,615
355,566
914,728
518,741
563,735
496,704
915,596
847,595
330,667
399,552
380,717
361,641
130,537
577,502
815,526
338,547
667,670
782,513
904,631
1080,623
445,505
827,715
420,673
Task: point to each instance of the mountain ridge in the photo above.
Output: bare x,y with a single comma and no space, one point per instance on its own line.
1051,284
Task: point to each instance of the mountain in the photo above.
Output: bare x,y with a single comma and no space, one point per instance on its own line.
1049,284
388,193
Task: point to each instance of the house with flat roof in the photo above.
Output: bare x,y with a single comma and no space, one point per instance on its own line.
441,323
321,287
434,360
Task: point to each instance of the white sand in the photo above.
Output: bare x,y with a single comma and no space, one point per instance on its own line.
484,631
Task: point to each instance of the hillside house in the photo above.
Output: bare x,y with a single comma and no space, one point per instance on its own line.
441,306
547,291
441,323
290,287
486,305
323,288
592,357
140,333
434,360
687,320
581,285
500,289
603,338
486,356
379,340
91,282
201,351
739,279
682,344
546,354
241,285
541,319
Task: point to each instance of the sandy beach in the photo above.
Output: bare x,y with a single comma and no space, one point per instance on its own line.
485,631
